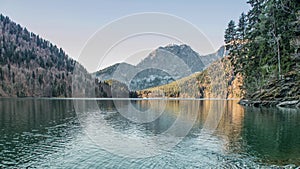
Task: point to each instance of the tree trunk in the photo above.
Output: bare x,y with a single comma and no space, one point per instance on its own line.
278,56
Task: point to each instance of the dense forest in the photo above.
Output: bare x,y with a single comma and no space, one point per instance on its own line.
30,65
264,47
113,89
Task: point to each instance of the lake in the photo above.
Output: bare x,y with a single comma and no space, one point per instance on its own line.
61,133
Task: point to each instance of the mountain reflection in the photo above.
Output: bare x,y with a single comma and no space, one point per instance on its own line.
266,136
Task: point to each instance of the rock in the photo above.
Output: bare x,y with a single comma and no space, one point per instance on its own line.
264,103
284,93
293,103
256,103
269,103
244,102
298,105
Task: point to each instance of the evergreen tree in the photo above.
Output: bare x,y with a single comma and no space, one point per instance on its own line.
230,34
262,48
241,29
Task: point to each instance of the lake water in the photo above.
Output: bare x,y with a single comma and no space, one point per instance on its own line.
48,133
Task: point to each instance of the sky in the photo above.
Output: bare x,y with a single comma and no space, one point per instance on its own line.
70,24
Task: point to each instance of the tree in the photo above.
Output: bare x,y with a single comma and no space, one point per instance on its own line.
241,41
25,57
33,75
241,29
230,34
263,39
1,74
40,79
279,18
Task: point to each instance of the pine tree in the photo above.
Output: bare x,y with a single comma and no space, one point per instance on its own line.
241,50
230,35
263,48
241,30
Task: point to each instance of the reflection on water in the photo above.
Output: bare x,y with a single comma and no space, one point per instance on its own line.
49,133
273,135
20,115
31,129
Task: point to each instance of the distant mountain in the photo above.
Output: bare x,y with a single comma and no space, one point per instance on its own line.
184,52
210,58
32,66
108,73
161,66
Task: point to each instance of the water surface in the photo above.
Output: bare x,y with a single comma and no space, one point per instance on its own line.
48,133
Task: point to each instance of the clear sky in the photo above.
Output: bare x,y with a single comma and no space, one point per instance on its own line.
69,24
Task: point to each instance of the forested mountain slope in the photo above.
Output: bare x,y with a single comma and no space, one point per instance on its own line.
30,65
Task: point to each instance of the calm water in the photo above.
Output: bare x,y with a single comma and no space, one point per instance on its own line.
45,133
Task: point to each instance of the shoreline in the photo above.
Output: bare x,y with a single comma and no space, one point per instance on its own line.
242,102
270,103
81,98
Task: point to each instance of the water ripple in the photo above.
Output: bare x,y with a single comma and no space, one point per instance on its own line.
62,143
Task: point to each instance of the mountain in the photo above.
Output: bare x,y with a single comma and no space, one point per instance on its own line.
108,73
217,81
210,58
183,52
32,66
161,66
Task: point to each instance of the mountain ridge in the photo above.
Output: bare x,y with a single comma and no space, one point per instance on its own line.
163,65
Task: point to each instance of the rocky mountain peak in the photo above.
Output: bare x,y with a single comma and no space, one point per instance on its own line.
180,50
184,54
161,66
